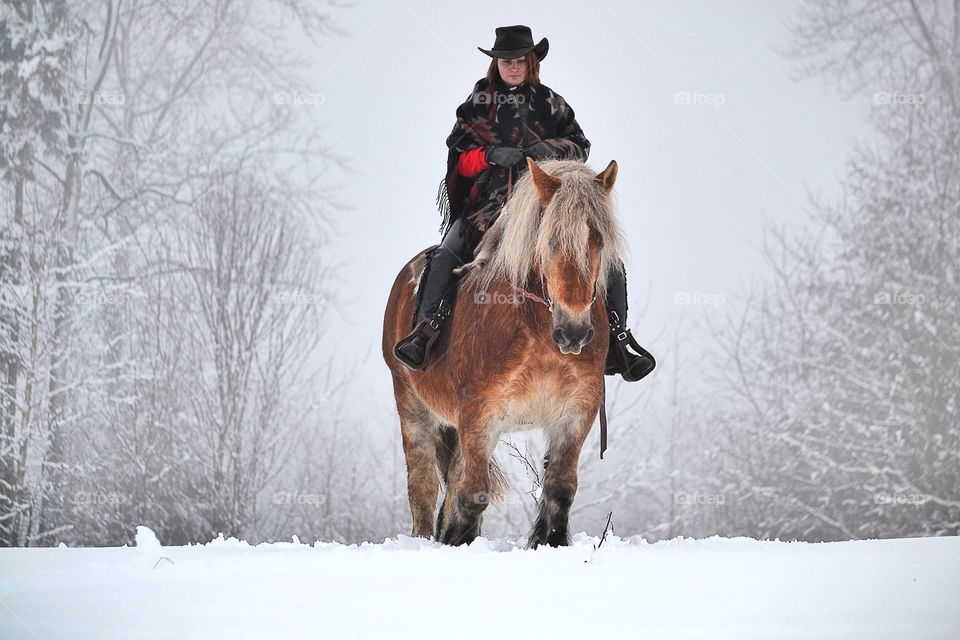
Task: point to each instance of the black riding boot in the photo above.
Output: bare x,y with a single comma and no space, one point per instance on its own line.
633,366
433,308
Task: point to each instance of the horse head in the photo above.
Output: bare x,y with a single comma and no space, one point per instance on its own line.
575,222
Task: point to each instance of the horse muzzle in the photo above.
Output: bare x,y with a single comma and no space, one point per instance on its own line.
571,337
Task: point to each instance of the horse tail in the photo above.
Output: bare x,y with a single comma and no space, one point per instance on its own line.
499,485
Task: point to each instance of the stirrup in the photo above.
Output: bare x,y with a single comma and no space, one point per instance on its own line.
428,328
622,338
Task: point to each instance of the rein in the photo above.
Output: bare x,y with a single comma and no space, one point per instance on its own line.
548,303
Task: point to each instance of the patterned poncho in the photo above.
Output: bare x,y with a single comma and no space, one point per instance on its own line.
518,117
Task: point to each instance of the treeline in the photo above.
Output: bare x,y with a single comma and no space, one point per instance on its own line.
164,285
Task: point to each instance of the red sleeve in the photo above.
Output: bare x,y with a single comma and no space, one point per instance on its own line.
472,162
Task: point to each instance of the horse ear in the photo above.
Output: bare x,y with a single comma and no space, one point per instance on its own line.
608,176
546,184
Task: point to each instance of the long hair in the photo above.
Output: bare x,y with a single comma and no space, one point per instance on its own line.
533,72
526,234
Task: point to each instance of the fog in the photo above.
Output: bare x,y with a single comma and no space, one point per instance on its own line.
204,207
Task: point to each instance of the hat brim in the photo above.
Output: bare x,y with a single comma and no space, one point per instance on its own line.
540,49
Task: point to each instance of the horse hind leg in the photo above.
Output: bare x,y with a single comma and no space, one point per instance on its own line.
448,450
419,431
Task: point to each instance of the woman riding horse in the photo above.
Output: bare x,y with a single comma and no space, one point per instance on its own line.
508,117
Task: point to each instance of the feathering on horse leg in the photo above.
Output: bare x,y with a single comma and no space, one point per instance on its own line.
448,451
449,504
565,442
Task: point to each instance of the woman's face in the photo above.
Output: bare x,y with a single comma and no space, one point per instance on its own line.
512,71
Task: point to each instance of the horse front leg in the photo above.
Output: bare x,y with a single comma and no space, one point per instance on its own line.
470,494
419,433
565,442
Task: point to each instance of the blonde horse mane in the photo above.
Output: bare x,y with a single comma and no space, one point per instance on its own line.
521,240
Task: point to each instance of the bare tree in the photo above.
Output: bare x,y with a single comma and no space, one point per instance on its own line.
255,319
847,365
117,117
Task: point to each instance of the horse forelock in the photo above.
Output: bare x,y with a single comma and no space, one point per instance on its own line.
519,243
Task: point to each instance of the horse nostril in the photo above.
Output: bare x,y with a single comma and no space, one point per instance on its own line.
589,336
559,336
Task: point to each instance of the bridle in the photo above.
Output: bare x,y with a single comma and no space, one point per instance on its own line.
546,300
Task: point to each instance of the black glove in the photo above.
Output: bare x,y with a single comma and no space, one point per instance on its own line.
504,156
541,151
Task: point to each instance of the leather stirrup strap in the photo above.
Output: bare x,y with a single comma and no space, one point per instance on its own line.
622,338
603,417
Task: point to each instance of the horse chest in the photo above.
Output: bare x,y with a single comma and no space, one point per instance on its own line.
538,400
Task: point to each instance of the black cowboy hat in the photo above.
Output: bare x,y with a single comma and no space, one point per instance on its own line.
514,42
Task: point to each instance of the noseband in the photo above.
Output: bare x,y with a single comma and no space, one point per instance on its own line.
546,300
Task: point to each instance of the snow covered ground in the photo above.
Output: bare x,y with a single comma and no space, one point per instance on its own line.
405,588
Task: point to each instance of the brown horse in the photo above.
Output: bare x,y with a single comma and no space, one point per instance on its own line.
505,362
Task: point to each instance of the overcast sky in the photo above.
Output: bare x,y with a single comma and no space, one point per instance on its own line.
696,179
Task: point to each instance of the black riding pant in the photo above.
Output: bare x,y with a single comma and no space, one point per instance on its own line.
438,281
